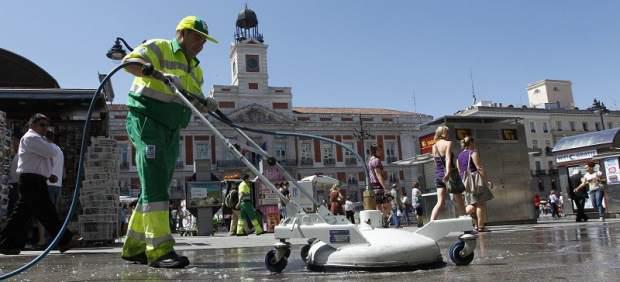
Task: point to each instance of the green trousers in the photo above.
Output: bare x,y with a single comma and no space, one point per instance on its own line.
248,211
156,149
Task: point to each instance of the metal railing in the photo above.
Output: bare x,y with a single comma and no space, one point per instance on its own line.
329,161
306,162
350,161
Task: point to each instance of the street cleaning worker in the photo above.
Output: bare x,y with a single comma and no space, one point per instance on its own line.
247,209
156,116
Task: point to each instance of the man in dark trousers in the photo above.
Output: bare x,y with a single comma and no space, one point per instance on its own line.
579,196
34,167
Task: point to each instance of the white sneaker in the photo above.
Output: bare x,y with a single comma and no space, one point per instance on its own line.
602,219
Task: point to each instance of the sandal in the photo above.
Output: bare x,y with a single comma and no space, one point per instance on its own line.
483,229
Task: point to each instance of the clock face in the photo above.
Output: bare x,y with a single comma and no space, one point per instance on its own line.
251,63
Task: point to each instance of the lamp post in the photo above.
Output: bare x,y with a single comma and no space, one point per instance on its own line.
117,52
368,195
599,108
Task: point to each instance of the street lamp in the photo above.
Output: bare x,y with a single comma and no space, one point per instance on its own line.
368,195
599,108
117,52
362,134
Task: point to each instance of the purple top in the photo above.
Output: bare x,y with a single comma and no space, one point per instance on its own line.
464,157
374,163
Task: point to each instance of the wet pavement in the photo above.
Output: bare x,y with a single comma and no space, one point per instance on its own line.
542,252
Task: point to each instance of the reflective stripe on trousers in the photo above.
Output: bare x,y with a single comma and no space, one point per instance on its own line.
149,232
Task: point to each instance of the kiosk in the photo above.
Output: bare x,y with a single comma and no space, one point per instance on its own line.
603,147
503,151
204,200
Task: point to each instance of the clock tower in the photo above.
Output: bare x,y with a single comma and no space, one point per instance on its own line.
250,89
248,54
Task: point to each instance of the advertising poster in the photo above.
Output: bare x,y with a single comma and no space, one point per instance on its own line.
612,171
205,194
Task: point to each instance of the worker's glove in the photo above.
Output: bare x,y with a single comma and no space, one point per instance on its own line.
204,104
174,80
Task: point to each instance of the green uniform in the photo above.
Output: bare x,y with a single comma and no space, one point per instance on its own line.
154,121
247,210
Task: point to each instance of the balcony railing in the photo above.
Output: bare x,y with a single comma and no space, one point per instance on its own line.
553,171
288,162
350,161
229,163
306,162
534,151
390,159
548,151
329,161
539,172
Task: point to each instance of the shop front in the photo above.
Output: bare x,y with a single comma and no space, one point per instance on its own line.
601,147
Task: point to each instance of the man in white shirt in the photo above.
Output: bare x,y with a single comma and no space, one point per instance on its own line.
34,167
349,210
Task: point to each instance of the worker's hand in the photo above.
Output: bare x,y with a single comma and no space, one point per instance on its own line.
446,177
206,104
174,80
53,178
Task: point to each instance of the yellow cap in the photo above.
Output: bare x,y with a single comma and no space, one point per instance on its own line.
196,24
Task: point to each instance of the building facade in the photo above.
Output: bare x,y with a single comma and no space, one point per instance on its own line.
251,102
545,125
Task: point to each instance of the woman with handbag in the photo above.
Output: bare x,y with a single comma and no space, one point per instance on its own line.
446,176
477,192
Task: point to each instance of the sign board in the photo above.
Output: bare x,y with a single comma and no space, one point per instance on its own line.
612,171
204,194
426,143
576,156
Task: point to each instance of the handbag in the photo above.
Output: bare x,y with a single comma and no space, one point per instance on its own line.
472,181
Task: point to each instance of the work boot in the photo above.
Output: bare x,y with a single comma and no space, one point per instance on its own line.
139,258
170,260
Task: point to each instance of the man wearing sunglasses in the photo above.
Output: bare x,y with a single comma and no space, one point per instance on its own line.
34,167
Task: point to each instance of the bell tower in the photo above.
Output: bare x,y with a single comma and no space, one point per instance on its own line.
248,54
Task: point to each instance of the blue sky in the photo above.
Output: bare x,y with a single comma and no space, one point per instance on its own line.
349,53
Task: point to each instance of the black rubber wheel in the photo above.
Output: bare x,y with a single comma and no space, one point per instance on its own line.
304,252
273,265
454,253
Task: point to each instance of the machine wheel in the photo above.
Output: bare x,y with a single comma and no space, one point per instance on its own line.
454,253
304,252
273,265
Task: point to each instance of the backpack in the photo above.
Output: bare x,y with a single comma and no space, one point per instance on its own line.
231,199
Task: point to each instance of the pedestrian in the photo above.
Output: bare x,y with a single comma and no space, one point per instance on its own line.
594,180
553,202
395,202
231,201
154,120
247,209
377,182
406,203
578,196
469,159
282,202
446,176
34,167
536,202
349,210
416,202
335,200
54,189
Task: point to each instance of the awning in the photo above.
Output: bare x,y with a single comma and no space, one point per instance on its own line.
417,160
590,139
